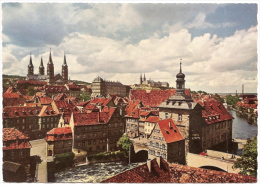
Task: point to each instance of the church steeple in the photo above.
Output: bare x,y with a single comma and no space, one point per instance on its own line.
30,66
50,69
64,69
41,68
141,80
144,77
180,82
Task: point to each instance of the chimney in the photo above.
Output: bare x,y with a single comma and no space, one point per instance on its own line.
158,159
149,165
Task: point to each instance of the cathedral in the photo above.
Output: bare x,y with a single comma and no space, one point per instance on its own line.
50,78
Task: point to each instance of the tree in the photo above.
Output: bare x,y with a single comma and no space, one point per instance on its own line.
218,98
84,96
248,161
31,91
124,142
232,100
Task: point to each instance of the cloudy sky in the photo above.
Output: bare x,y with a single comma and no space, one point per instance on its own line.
217,42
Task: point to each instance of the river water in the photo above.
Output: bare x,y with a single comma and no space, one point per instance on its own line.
242,129
95,173
92,173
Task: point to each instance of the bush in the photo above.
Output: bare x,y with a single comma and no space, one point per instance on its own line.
107,156
64,160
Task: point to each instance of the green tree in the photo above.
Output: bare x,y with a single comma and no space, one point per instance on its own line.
232,100
124,142
31,91
84,96
248,162
218,98
64,160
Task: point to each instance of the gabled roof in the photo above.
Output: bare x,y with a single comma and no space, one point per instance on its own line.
47,111
73,87
45,100
55,89
169,131
153,119
65,106
62,96
102,101
13,134
132,109
15,145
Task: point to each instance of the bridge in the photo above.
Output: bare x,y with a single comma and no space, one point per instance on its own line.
212,162
140,144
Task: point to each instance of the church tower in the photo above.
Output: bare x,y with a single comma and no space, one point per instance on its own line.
41,68
30,66
50,70
64,69
144,77
180,82
141,80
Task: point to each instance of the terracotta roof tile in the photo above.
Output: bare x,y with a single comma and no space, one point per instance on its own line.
47,111
153,119
11,112
170,131
57,134
13,134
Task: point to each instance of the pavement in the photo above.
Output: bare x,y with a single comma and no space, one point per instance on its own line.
39,148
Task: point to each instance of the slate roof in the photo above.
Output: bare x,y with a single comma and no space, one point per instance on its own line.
169,131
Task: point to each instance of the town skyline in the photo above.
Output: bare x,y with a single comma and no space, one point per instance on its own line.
121,41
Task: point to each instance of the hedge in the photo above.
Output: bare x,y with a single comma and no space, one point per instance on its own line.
107,156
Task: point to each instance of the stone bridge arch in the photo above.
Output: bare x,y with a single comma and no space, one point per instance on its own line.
199,161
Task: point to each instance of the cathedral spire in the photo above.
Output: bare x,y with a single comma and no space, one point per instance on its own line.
144,77
50,58
41,62
64,61
180,67
41,68
30,64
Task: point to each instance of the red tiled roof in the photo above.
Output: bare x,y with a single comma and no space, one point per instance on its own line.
11,112
33,105
62,96
254,106
73,87
141,174
44,100
153,119
170,134
66,106
144,113
102,101
153,98
23,91
83,104
57,134
55,89
11,95
214,111
10,90
13,134
94,117
174,173
132,109
31,82
47,111
22,145
40,94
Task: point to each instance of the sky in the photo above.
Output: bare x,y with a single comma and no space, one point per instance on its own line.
216,42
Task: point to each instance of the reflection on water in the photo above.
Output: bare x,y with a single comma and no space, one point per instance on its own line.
242,129
93,173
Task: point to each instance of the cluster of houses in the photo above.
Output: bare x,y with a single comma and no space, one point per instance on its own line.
169,122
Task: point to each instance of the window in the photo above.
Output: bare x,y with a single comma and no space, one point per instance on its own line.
157,145
163,146
164,155
158,154
154,137
166,115
43,120
21,152
180,117
151,143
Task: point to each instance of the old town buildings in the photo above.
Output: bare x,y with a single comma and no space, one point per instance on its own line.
59,140
16,147
102,87
167,142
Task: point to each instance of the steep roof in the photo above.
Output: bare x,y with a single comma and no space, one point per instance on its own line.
57,134
93,118
169,131
13,134
44,100
132,109
55,89
174,173
47,111
19,111
153,98
102,101
214,111
65,106
153,119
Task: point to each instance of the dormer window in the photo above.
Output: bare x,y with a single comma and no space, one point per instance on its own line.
180,117
166,115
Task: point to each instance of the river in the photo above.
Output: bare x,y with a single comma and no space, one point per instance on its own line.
92,173
242,129
95,173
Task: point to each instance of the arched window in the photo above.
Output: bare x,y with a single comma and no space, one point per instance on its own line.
180,117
